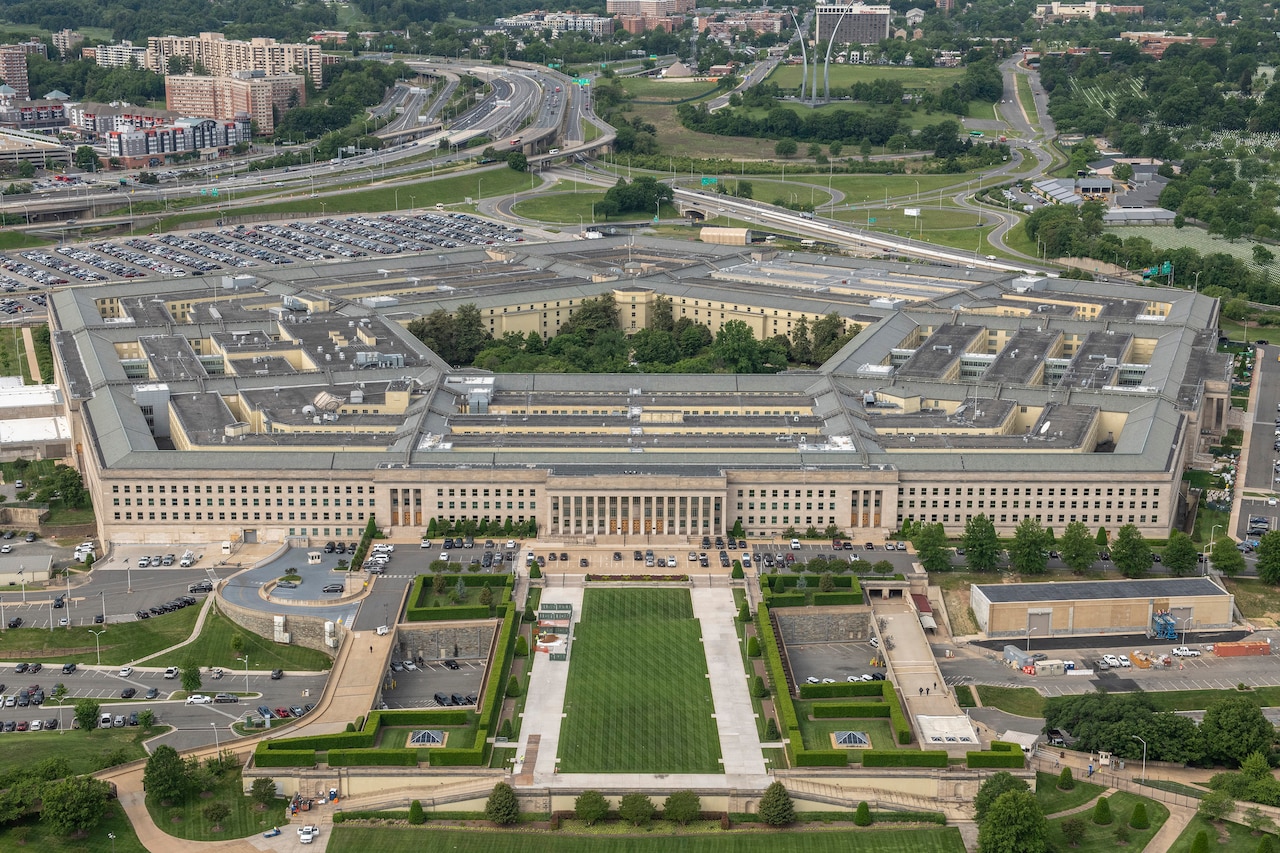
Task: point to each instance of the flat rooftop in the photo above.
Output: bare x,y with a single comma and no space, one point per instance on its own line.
1098,590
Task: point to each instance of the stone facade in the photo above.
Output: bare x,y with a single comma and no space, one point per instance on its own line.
308,631
824,624
433,641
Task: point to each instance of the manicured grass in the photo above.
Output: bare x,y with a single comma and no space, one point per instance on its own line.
1052,800
566,207
817,734
1230,838
1026,99
650,89
19,240
1103,838
965,697
1177,788
1198,700
930,220
31,834
213,648
1023,701
638,699
930,79
186,819
357,839
87,751
123,642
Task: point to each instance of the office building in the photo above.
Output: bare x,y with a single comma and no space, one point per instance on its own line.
852,23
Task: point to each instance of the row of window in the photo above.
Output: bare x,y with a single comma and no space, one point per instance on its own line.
477,505
237,516
1026,504
231,489
242,501
1043,519
785,505
1040,492
475,493
786,493
809,520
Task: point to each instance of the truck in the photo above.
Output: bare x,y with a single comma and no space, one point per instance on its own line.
188,559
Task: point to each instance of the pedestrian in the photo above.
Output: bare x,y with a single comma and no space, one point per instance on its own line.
935,685
921,691
371,650
926,691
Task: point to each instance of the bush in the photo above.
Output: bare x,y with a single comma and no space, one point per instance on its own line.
1138,820
771,733
513,685
682,807
737,574
1102,812
1074,829
753,647
635,808
1066,782
862,817
822,758
776,808
534,572
505,729
522,647
995,758
417,816
903,758
502,807
590,806
758,688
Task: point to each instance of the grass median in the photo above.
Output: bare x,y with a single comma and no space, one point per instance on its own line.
121,642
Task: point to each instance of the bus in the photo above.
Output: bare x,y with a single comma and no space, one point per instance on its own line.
976,134
515,141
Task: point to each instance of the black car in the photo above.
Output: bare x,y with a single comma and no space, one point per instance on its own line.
51,723
16,622
471,698
35,667
128,693
67,669
18,667
133,719
277,674
452,664
98,618
330,547
332,587
151,693
442,699
457,699
30,537
9,534
340,548
59,603
637,556
10,725
142,614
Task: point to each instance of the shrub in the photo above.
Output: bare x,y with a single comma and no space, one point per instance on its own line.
590,806
505,730
1265,845
351,727
1138,820
1121,833
903,758
1066,782
837,710
373,757
862,817
995,758
1073,830
753,646
726,824
522,647
822,758
776,808
635,808
737,574
534,572
771,733
759,688
502,807
682,807
417,816
1102,812
513,685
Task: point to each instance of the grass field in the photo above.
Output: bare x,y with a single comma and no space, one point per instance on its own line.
564,208
649,89
638,699
1231,838
30,834
87,751
929,79
186,819
1052,800
356,839
1103,838
1027,100
213,648
17,240
1023,701
122,643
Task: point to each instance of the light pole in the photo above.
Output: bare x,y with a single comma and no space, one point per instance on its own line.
413,204
1186,624
217,744
1029,630
23,578
1144,756
917,189
1208,548
112,836
104,606
97,643
322,206
246,672
128,573
397,199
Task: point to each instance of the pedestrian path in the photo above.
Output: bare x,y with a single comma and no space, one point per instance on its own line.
735,717
1177,821
544,700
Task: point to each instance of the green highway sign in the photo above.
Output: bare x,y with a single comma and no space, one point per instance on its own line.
553,64
707,182
871,220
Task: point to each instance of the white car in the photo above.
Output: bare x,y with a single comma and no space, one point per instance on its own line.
199,699
126,671
1125,662
813,679
409,665
875,642
1112,661
1185,652
171,672
308,833
144,562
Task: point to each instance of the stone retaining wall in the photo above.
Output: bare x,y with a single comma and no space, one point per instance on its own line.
824,624
433,641
307,631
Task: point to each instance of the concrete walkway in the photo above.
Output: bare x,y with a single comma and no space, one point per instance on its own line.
33,366
1179,817
730,694
544,701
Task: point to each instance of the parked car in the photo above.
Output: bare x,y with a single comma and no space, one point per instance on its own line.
1186,652
199,699
128,693
171,672
277,674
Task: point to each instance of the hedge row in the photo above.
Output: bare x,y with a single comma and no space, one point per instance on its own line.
494,687
904,758
851,709
822,758
446,614
897,719
791,599
338,740
778,582
340,816
832,598
421,595
431,717
994,759
373,758
456,757
264,757
842,688
787,718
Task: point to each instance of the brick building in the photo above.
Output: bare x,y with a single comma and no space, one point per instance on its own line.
223,57
261,97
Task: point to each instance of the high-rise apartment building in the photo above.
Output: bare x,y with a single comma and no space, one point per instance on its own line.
852,23
13,70
259,96
221,57
120,55
66,40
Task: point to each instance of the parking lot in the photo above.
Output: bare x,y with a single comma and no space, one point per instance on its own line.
837,661
417,688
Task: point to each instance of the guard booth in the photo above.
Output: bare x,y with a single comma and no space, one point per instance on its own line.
314,558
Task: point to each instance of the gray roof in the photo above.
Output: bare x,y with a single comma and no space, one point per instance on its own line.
1096,590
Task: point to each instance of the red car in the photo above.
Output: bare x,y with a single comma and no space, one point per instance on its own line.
283,713
22,725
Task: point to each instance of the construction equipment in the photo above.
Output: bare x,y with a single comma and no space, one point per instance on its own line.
1163,627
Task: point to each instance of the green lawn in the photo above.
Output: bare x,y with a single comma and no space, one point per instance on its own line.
186,819
87,751
1052,800
1103,838
357,839
1238,838
931,79
124,642
638,699
817,733
565,208
1023,701
650,89
18,240
214,648
30,834
1256,600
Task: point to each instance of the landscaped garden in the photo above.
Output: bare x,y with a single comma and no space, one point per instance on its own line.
638,700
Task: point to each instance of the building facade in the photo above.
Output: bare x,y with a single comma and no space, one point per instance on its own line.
122,55
139,146
852,23
222,57
13,70
261,98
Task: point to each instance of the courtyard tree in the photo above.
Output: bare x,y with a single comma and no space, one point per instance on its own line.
682,807
1029,552
1215,806
1077,547
981,545
1014,823
417,816
931,546
590,806
1268,557
1233,727
1227,558
1130,552
502,807
86,711
1180,555
190,676
991,789
635,808
776,808
263,791
165,777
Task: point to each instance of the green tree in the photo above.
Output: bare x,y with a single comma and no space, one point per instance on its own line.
862,817
1268,557
522,647
1077,547
635,808
1180,555
1139,820
417,816
74,804
991,789
1216,805
85,159
502,807
758,688
513,687
1028,554
1266,845
1227,558
146,719
1066,781
590,806
827,583
981,545
1262,255
1102,812
1122,172
682,807
517,161
216,812
1014,823
771,733
191,676
1101,539
1201,842
1232,728
776,808
736,348
931,546
1130,552
1073,830
86,711
165,777
263,790
785,148
753,646
801,343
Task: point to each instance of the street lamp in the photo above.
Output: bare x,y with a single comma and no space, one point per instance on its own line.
104,605
23,578
97,643
1144,756
1208,548
217,744
413,204
1029,630
112,836
246,672
128,573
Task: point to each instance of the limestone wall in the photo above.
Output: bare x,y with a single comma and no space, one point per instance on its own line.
824,624
305,631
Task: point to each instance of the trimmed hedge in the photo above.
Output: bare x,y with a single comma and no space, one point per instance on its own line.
456,757
421,595
787,718
790,599
441,717
373,758
842,688
780,581
850,709
283,757
338,740
446,614
1001,754
904,758
822,758
831,598
897,719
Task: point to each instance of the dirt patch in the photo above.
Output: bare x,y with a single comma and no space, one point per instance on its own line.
959,612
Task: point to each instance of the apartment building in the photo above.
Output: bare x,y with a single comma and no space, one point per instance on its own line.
223,57
122,55
260,96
